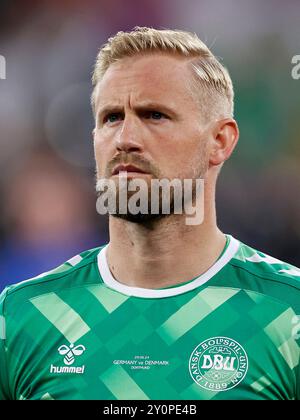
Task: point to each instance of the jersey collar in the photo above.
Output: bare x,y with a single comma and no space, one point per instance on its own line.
112,283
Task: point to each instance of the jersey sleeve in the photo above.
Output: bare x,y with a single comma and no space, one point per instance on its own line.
4,387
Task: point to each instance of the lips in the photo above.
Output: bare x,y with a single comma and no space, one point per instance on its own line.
127,168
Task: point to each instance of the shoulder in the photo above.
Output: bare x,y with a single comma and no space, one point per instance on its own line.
267,275
75,272
263,265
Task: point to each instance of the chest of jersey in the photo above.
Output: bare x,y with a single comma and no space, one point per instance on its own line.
213,343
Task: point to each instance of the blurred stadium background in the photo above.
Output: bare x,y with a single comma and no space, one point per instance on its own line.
47,199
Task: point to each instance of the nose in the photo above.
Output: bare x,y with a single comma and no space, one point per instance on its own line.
129,139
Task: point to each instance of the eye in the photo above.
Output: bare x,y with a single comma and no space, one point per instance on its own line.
155,115
113,117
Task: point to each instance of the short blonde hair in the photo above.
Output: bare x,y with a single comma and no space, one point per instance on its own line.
211,83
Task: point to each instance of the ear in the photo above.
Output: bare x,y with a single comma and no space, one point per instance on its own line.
225,136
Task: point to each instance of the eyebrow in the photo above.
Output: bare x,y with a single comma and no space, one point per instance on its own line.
146,106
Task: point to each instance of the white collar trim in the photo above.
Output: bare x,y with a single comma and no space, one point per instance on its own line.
112,283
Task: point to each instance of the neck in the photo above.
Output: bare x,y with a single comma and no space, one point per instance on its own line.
165,254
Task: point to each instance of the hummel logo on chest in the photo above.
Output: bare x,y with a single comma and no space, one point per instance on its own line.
69,353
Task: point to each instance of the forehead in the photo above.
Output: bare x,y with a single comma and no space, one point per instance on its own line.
157,77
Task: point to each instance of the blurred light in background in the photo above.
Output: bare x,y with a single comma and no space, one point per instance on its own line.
69,125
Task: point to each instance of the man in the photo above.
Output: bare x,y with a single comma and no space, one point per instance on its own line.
168,309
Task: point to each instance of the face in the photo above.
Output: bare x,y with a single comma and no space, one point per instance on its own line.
147,119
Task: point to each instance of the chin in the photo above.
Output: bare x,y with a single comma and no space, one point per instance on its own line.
139,218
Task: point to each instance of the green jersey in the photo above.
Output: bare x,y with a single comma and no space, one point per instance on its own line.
77,333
